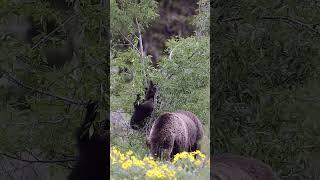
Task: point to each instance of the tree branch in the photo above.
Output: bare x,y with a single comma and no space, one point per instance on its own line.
51,33
308,99
130,42
278,18
140,40
142,55
17,82
36,161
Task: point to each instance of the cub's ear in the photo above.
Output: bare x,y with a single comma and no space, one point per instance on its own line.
136,102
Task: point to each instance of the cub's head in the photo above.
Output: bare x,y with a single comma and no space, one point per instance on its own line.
141,113
144,109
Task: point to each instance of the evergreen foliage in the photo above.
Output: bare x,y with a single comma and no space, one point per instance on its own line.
42,106
265,80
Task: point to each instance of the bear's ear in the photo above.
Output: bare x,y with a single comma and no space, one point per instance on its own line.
152,85
136,102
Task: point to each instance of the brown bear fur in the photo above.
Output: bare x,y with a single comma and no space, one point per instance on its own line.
144,110
151,91
141,113
173,133
233,167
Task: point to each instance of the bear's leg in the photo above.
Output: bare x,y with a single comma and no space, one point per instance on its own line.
166,148
175,150
196,146
166,154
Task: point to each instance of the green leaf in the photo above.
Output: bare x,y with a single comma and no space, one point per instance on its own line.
91,131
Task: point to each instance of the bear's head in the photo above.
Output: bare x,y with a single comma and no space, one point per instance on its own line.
160,148
144,109
141,113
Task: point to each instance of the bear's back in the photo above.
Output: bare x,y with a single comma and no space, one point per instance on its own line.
169,123
196,122
183,124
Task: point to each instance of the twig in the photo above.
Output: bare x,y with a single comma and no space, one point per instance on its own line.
4,170
295,21
55,30
311,100
81,65
12,79
191,55
283,18
130,42
30,152
37,161
53,122
14,169
171,52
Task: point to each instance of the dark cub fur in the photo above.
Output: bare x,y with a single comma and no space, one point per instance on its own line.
145,109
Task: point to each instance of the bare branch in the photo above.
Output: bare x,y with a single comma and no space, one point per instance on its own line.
308,99
170,55
36,161
133,46
51,33
140,40
171,51
278,18
142,56
53,122
17,82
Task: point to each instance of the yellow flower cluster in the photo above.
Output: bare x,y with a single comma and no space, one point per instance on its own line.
190,156
150,168
127,160
161,172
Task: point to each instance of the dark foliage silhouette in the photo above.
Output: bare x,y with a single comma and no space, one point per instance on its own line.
93,151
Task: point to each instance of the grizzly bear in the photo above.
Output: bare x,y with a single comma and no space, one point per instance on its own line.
141,113
233,167
144,109
174,132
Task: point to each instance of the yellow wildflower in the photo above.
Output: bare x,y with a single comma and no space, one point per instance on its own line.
197,162
137,162
150,161
122,158
127,164
167,171
129,153
156,169
155,173
202,155
113,160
